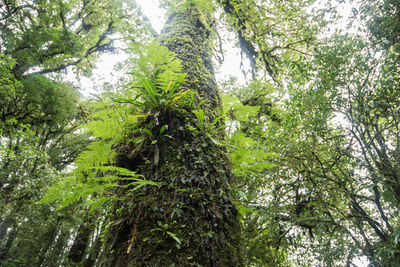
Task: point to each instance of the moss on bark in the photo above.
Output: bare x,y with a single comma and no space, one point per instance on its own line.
190,220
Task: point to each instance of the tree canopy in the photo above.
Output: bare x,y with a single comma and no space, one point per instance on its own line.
298,166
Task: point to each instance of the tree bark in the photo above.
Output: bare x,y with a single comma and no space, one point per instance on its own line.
11,236
80,244
93,253
57,255
46,245
190,220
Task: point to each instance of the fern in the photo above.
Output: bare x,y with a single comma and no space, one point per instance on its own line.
157,63
94,187
155,89
92,183
157,79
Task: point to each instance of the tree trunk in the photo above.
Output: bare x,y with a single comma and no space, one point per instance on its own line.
11,236
4,225
190,220
57,255
80,243
93,253
46,244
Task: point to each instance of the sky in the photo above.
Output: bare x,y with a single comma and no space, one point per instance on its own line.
231,64
105,72
151,9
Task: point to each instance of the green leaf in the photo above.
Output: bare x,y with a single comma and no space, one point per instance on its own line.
148,132
242,194
174,237
163,129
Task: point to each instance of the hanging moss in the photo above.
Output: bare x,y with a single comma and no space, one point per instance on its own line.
190,220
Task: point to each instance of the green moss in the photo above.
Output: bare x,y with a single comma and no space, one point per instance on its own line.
190,220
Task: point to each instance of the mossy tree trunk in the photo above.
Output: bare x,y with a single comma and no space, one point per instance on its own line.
190,220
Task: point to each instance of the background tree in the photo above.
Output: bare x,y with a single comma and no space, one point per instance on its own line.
40,116
325,190
297,167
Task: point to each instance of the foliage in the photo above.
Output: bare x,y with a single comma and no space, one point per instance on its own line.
25,171
157,98
330,139
95,187
95,180
155,88
312,174
45,37
367,105
39,115
272,34
383,22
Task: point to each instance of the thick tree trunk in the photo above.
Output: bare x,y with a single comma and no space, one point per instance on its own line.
190,220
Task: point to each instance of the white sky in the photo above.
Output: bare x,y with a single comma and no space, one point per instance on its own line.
105,72
151,9
231,64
